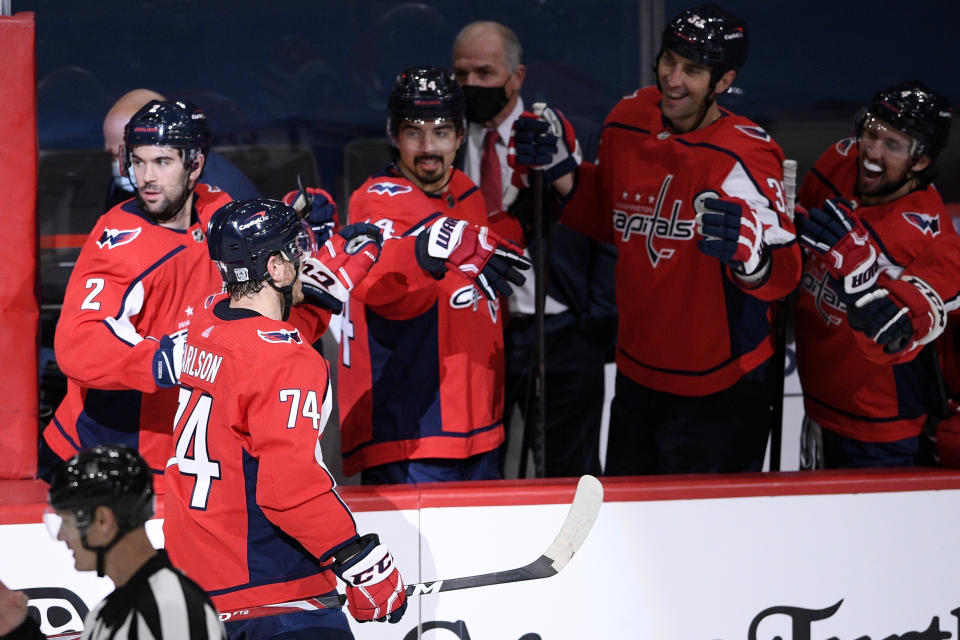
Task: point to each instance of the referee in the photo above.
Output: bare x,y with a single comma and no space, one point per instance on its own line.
101,499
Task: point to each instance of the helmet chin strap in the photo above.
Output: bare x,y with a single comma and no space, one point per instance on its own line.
287,290
102,551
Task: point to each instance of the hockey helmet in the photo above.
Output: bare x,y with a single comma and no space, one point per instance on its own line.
915,110
113,476
425,93
243,234
168,123
709,36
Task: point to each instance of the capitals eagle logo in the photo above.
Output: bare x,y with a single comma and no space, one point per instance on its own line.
924,221
389,188
111,238
280,335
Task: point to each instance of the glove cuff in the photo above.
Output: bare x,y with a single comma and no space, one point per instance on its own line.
434,266
560,169
936,311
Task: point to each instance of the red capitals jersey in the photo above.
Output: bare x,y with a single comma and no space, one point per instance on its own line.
849,385
251,511
687,325
421,359
134,279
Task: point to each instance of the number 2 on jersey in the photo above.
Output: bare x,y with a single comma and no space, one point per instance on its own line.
193,438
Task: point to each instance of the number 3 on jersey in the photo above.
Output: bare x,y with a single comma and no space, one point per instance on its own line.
191,432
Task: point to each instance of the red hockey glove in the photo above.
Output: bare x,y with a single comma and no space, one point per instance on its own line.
547,143
375,588
899,314
478,253
317,207
167,359
342,262
836,235
730,232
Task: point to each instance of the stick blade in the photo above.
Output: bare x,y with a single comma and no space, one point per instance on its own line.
583,512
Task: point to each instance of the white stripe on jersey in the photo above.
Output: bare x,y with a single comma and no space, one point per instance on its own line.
739,185
121,325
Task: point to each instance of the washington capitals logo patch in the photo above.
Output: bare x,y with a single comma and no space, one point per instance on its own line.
924,221
754,132
281,335
388,188
843,146
115,237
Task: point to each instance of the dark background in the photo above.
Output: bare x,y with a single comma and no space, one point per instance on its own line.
318,73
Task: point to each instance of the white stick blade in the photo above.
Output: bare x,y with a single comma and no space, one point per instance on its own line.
583,512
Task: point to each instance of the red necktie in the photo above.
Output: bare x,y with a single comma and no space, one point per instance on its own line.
491,181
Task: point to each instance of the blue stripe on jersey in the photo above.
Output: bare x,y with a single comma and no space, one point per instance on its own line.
857,416
110,416
746,319
415,229
66,435
463,196
126,294
679,372
876,238
625,127
405,368
829,185
272,555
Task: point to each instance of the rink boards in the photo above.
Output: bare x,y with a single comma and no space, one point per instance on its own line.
791,556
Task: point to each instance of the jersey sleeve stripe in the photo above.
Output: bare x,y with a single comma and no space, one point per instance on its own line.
625,127
415,229
467,193
829,185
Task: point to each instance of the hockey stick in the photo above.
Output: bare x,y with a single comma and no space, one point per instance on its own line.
534,431
781,311
583,512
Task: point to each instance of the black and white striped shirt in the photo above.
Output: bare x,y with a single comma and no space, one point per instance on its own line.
157,602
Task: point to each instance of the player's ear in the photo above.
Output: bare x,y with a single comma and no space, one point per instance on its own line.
104,521
922,163
281,271
724,82
196,167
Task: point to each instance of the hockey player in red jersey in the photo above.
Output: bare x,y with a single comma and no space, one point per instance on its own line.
252,514
421,367
691,194
878,281
133,292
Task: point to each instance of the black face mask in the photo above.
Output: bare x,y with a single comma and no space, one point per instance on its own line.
483,103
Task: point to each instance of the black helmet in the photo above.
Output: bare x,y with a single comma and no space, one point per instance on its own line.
243,234
113,476
168,123
425,93
710,36
913,109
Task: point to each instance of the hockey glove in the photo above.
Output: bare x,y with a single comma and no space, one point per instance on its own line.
316,207
899,314
342,262
375,588
547,143
731,232
478,253
167,360
836,235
